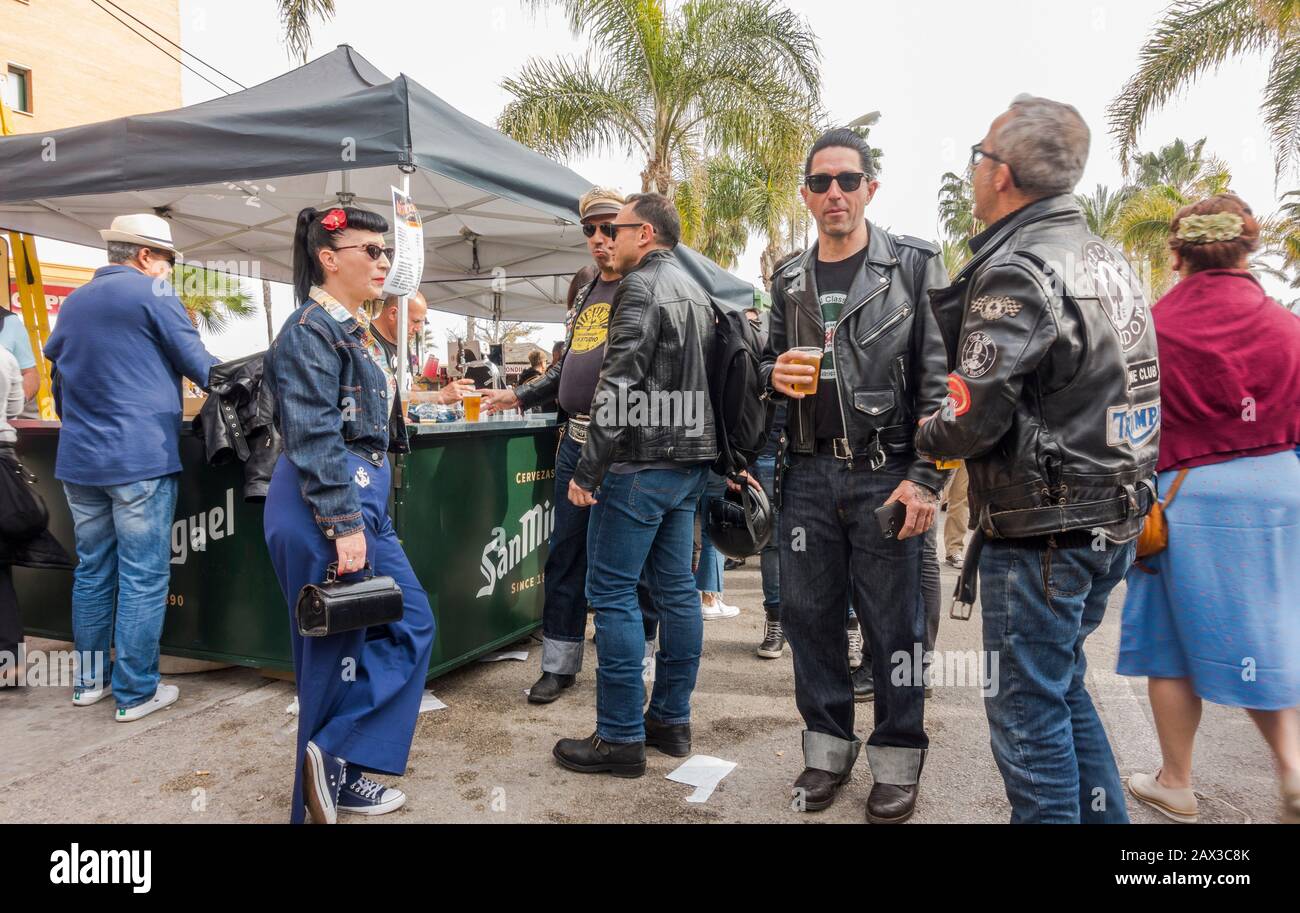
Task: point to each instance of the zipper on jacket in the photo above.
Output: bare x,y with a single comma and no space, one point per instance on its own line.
888,324
839,395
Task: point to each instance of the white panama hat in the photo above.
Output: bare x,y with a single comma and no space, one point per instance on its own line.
143,229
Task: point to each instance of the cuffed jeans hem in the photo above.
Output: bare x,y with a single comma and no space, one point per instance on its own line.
823,751
561,657
632,741
895,765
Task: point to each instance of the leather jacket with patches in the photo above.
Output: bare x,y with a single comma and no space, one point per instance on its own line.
652,399
1055,387
237,422
889,358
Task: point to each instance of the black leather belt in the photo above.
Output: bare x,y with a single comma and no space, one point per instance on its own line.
894,439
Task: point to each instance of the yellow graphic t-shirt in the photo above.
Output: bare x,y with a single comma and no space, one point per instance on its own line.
586,353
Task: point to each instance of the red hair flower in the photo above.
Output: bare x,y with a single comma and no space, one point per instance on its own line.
334,220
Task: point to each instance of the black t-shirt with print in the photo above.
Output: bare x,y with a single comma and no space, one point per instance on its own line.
833,283
586,352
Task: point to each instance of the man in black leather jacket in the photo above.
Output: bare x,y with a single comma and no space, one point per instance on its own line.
1055,406
858,299
647,456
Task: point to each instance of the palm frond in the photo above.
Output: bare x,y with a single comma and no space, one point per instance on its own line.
296,18
1281,107
1193,36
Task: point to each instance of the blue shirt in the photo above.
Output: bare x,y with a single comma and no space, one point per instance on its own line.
120,348
13,336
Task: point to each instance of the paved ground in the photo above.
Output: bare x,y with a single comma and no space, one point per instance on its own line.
224,752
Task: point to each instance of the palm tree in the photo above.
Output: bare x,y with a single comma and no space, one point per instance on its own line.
213,300
1102,210
296,20
672,85
957,220
1166,181
1196,36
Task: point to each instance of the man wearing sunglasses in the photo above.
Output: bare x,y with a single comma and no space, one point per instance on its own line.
1056,411
857,301
122,344
571,380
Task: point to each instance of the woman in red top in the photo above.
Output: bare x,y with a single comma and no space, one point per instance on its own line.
1216,616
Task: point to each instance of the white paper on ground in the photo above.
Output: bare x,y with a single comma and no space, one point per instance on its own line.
504,654
704,773
429,702
292,708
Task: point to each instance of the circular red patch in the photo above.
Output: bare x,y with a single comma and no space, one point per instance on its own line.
959,393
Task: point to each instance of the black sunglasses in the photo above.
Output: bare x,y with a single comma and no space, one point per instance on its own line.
849,181
163,255
372,250
977,155
608,229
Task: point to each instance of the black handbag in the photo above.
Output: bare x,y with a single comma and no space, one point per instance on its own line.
23,514
337,605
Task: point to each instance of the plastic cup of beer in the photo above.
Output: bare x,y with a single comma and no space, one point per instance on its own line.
472,402
808,355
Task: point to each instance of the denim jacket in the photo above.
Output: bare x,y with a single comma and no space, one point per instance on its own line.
331,397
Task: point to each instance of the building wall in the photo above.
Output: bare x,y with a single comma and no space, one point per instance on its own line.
86,67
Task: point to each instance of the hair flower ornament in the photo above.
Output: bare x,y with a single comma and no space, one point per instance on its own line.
1207,229
334,220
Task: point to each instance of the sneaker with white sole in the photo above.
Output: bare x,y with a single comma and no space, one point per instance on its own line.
855,646
322,780
85,696
363,796
717,609
165,696
1176,804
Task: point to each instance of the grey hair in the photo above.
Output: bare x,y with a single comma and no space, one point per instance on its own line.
122,251
1046,144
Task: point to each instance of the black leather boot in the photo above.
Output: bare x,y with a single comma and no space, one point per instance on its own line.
864,683
670,738
816,789
593,755
548,687
891,804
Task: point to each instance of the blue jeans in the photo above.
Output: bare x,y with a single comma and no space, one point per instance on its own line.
708,574
832,552
124,555
769,559
644,522
564,613
1039,604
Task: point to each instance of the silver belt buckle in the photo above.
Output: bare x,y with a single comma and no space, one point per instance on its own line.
842,453
577,430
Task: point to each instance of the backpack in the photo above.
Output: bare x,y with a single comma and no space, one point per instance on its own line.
741,417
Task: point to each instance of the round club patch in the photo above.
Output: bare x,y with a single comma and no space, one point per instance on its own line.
958,395
978,353
1118,292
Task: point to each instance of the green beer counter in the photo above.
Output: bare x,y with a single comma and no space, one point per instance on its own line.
471,502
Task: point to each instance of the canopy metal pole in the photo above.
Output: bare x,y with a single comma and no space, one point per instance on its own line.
403,355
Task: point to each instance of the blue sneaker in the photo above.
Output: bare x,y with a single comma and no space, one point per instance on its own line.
322,778
363,796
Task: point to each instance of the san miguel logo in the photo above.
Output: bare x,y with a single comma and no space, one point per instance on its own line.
502,555
1118,292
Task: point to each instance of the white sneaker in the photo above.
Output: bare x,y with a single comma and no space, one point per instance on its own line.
718,609
165,696
84,697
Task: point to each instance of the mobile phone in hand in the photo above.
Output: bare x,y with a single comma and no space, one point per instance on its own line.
891,518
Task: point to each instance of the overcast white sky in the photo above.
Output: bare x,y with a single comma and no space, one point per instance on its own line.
938,71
